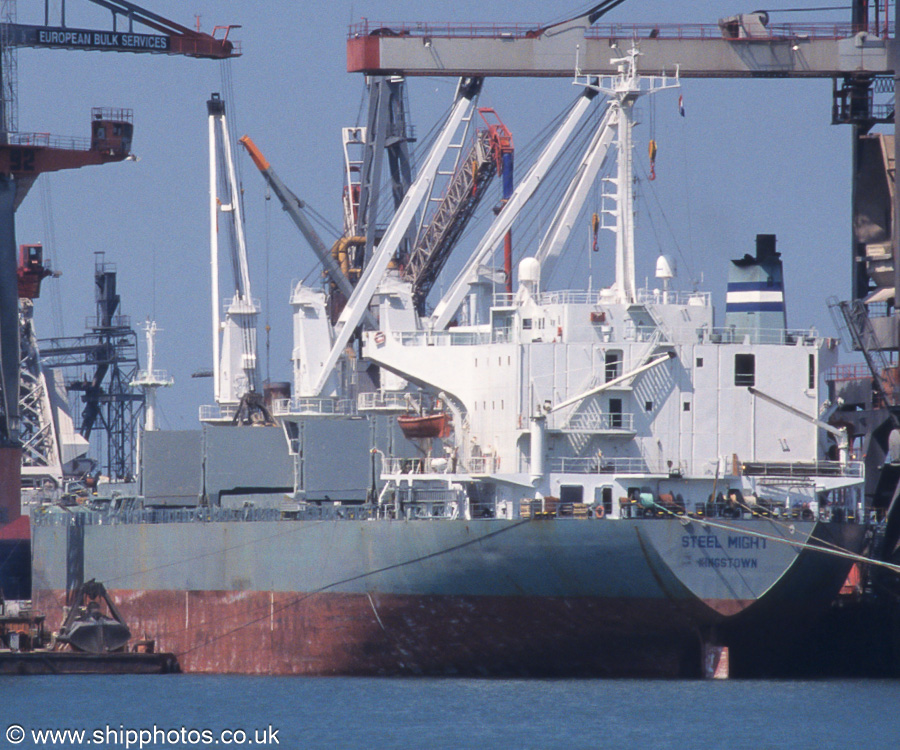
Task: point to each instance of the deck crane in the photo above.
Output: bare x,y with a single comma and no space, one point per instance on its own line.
618,120
491,153
234,340
294,207
24,156
585,175
502,146
358,303
622,91
446,309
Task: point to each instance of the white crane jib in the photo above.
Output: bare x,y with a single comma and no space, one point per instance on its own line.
585,176
359,301
843,441
623,90
234,341
450,302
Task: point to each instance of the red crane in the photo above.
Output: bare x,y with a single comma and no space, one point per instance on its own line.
23,156
503,150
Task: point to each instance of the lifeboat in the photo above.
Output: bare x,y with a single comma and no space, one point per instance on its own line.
435,425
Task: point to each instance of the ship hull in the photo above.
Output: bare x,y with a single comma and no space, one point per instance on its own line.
494,597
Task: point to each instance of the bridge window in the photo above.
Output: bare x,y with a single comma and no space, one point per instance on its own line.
812,371
745,369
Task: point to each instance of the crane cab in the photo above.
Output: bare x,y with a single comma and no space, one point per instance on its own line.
111,130
31,271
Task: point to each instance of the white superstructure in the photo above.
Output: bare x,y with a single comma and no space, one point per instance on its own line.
604,399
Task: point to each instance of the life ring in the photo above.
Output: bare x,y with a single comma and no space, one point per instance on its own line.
599,511
380,338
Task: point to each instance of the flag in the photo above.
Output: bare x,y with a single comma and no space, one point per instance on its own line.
681,105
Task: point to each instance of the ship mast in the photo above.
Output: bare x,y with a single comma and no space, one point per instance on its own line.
150,379
624,89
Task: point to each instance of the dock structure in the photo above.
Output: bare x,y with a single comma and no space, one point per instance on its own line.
699,50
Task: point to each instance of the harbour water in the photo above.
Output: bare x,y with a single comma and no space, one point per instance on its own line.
336,713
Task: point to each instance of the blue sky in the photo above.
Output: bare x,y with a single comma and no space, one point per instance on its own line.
750,157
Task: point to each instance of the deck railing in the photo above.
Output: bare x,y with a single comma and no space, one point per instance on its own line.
803,469
301,405
598,423
735,335
474,465
603,465
217,412
40,516
390,401
848,372
601,297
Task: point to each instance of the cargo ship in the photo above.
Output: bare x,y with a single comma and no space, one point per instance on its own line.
540,482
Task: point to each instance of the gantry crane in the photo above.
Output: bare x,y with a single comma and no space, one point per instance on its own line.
858,57
25,156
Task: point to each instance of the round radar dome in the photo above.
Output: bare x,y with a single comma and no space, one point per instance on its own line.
665,267
529,271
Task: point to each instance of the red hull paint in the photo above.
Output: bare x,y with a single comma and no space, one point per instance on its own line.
354,634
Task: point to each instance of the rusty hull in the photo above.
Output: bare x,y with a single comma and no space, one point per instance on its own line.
253,632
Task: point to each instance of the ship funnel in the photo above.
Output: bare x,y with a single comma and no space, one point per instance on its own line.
755,298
